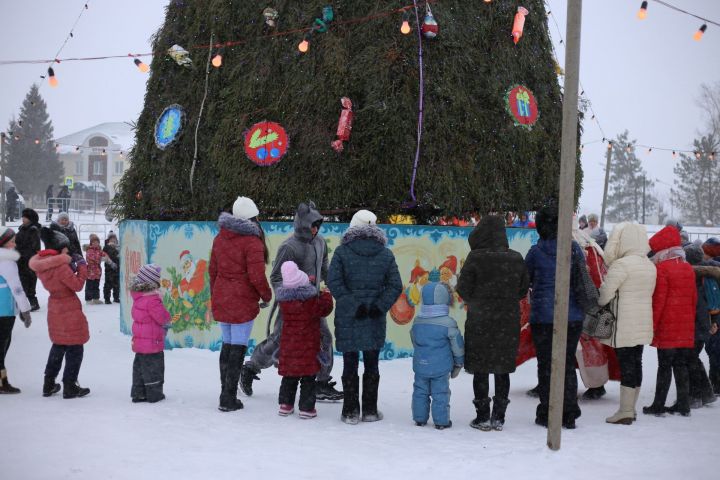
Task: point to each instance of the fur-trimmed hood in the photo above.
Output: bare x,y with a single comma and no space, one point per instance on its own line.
40,263
238,225
283,294
370,232
9,254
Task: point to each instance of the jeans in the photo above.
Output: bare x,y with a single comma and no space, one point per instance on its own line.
236,333
6,327
73,355
542,338
630,360
148,376
288,389
351,361
437,388
481,385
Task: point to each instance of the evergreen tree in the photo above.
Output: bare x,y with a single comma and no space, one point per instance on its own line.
629,184
472,155
32,160
696,182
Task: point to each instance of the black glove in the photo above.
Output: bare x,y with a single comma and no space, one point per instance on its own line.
25,317
375,312
362,311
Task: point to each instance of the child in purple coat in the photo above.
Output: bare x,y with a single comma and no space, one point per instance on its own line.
150,323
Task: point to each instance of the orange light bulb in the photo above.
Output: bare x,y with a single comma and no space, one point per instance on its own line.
51,77
304,46
217,61
405,28
699,34
141,66
642,13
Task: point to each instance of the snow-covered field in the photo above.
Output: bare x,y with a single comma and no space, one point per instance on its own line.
105,436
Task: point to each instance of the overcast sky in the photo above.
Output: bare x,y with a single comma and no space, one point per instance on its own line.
643,76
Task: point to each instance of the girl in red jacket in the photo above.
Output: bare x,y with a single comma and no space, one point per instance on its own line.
94,257
301,309
63,276
674,302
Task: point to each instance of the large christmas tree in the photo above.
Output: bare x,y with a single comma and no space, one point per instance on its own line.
485,144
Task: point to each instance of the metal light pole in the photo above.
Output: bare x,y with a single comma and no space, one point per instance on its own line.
2,178
568,159
607,181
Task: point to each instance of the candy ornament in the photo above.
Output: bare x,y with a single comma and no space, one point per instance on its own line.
429,26
344,125
519,24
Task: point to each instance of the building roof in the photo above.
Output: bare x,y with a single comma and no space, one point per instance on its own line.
121,135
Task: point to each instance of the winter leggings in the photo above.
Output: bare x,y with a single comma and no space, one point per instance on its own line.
437,388
351,361
111,286
288,389
6,326
92,290
28,278
630,360
699,383
266,352
481,385
148,376
542,338
73,355
673,360
236,333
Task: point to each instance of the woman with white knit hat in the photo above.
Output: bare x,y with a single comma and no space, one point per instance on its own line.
237,286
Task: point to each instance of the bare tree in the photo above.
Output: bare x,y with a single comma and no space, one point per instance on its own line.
709,102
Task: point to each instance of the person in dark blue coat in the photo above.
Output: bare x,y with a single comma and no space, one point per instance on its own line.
540,261
365,281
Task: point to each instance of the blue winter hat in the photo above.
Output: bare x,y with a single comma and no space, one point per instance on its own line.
436,299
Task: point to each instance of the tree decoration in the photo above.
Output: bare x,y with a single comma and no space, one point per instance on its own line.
320,25
266,143
52,79
168,126
143,67
429,27
344,125
522,106
180,55
519,24
271,15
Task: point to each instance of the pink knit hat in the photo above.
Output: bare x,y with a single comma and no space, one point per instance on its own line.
292,276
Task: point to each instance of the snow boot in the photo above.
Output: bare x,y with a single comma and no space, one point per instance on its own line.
286,410
594,393
351,401
34,305
325,392
74,390
635,400
497,419
228,397
371,382
676,409
307,414
482,420
5,386
655,409
247,375
443,427
533,392
50,387
625,414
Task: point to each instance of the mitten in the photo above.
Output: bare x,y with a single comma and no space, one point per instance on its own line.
362,311
25,317
375,312
264,304
455,371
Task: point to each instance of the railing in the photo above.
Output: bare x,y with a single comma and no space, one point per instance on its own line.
73,206
100,229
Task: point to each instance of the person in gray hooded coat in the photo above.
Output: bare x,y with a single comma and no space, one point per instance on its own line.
307,248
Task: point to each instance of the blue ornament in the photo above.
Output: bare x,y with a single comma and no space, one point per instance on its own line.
168,126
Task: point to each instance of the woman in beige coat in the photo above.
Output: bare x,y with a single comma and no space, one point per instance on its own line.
631,276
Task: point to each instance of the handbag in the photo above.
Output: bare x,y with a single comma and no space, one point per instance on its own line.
601,324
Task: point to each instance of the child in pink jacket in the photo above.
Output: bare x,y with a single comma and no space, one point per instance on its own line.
94,257
150,323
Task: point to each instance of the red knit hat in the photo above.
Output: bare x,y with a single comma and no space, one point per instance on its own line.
668,237
6,236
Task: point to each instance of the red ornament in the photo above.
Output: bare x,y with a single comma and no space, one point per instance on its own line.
344,125
429,26
519,24
266,143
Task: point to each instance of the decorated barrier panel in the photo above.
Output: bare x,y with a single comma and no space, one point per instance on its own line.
183,251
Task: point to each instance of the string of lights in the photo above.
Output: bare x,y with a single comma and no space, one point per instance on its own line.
52,79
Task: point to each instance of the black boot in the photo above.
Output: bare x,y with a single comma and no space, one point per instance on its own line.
34,305
497,419
74,390
715,380
594,393
247,375
224,353
682,387
5,386
370,413
325,392
50,387
351,400
482,420
533,392
228,398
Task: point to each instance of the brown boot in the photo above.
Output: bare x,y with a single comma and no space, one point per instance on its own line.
5,386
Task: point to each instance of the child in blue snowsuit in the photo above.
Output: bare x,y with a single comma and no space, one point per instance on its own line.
439,350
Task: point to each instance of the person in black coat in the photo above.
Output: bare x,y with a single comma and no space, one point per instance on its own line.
67,228
65,194
27,243
492,281
49,203
11,198
111,287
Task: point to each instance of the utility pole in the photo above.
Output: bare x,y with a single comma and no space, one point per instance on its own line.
2,177
568,159
607,181
643,200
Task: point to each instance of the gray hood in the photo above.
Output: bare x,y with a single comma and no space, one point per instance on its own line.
305,216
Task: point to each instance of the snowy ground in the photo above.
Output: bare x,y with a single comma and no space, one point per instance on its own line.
105,436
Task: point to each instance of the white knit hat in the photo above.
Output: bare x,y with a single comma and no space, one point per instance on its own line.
245,208
363,217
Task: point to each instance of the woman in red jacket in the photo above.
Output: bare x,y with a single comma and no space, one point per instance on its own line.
63,276
237,285
674,302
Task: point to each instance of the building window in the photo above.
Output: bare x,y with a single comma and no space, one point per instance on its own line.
98,167
119,167
78,167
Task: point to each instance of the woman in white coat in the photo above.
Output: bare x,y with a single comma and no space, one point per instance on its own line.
630,277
